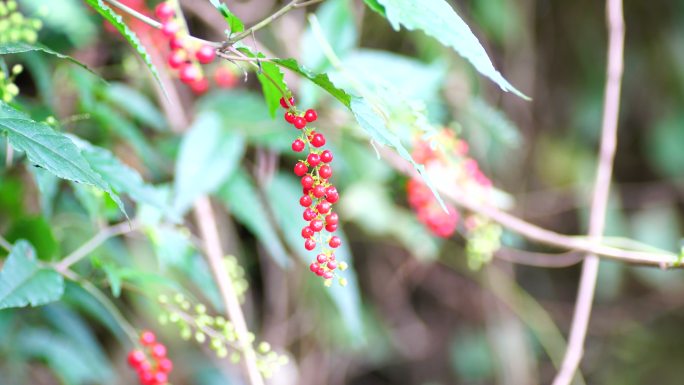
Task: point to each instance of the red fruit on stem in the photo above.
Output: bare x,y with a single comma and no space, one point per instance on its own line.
147,378
313,159
335,242
331,219
326,156
309,214
225,78
205,54
320,271
289,117
321,258
176,59
300,169
135,358
158,350
331,194
299,122
164,11
318,191
165,365
147,338
325,171
313,267
309,244
305,201
161,378
144,366
316,225
324,207
307,232
176,42
310,116
200,86
189,73
318,140
298,145
170,28
332,265
328,275
307,181
331,228
284,104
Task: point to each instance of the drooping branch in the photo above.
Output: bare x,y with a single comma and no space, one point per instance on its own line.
611,109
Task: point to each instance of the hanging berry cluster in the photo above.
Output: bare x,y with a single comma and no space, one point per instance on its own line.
448,161
217,332
319,194
15,27
156,370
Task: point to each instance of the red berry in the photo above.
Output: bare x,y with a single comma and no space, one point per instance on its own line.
298,145
200,86
331,194
323,207
176,42
164,11
309,244
307,181
284,104
328,275
289,117
309,214
335,242
326,156
318,191
331,228
225,78
320,271
189,73
307,232
158,350
147,378
135,358
321,258
305,201
310,116
299,122
205,54
161,378
313,159
318,140
316,225
176,59
325,171
144,366
313,267
300,169
147,338
165,364
332,265
331,219
170,28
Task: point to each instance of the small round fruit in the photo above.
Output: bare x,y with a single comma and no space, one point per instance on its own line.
324,207
299,122
307,181
316,225
313,159
307,232
135,358
176,59
283,103
310,116
332,219
309,244
164,11
321,258
318,140
305,201
331,228
225,78
332,265
318,191
309,214
206,54
326,156
300,169
200,86
298,145
166,365
189,73
158,350
331,194
325,171
289,117
169,28
335,242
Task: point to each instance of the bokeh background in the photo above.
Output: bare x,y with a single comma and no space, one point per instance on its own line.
414,313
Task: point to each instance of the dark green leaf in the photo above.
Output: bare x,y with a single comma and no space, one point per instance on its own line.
322,80
439,20
273,85
36,231
208,156
23,282
20,47
234,23
376,6
117,21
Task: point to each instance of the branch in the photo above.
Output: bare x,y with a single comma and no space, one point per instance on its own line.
522,257
5,244
611,109
268,20
208,229
101,237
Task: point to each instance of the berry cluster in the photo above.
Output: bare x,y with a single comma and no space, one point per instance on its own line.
156,371
216,331
9,90
319,194
15,27
428,210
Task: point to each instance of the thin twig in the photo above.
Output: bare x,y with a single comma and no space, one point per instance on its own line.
528,258
9,154
208,229
268,20
611,109
95,242
5,244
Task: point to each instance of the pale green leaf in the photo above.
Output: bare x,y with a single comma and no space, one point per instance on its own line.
24,283
322,80
234,23
21,47
273,85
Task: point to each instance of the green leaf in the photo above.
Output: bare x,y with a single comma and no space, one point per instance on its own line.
376,6
51,150
208,156
19,47
136,104
23,282
322,80
241,197
273,85
338,26
439,20
117,21
234,23
36,231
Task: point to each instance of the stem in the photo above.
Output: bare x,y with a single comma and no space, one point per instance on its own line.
102,236
268,20
529,258
9,155
208,229
611,109
5,244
